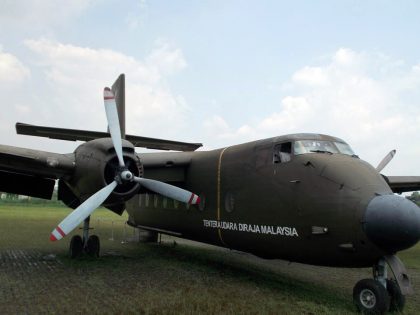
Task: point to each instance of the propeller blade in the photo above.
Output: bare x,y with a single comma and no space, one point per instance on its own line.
113,123
170,191
386,160
82,212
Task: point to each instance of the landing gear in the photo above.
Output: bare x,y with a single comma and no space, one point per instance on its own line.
379,295
397,300
93,246
76,246
88,244
371,297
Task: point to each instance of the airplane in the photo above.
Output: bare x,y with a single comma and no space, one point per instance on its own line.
305,198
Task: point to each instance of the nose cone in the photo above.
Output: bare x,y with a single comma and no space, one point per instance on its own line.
392,223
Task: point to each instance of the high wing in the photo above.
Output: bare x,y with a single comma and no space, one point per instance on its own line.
32,172
85,135
400,184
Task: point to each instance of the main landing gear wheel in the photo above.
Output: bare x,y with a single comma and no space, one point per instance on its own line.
371,297
397,300
93,246
76,246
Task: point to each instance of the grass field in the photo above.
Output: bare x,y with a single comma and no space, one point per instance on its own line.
181,278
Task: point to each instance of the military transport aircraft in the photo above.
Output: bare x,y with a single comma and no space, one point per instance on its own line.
304,197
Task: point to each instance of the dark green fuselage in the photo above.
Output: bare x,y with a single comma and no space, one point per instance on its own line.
309,209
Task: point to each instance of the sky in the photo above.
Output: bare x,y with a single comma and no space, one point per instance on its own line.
217,72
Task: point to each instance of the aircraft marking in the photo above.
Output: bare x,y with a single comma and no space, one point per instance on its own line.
219,169
252,228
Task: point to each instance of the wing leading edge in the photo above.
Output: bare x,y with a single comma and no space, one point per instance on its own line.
32,172
400,184
85,135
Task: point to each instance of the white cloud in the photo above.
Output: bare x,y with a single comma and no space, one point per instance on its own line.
218,133
312,76
135,19
166,60
39,14
12,69
358,96
68,82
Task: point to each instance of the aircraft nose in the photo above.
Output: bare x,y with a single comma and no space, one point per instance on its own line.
392,222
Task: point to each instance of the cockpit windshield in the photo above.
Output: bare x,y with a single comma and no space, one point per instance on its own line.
321,146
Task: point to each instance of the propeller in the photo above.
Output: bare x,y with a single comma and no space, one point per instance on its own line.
124,175
113,123
82,212
386,160
168,190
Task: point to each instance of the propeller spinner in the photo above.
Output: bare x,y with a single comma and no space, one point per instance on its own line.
124,175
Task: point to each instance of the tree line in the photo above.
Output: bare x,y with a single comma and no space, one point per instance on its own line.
13,198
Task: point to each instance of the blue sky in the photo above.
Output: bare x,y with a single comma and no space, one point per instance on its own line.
218,72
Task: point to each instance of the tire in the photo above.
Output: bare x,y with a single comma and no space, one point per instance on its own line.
397,300
76,246
371,297
93,246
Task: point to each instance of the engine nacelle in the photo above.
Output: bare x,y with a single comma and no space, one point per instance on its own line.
97,166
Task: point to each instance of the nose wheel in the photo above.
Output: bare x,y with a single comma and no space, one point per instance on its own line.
371,297
397,299
380,294
76,246
88,244
93,246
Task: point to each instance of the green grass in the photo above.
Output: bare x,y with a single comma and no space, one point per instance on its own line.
132,278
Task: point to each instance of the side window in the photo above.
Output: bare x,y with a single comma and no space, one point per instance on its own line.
282,152
263,155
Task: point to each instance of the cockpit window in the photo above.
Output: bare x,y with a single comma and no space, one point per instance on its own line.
321,146
282,152
344,148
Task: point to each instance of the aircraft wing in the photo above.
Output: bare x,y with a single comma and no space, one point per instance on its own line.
401,184
32,172
85,135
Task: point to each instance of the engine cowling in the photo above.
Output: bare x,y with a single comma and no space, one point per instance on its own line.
96,167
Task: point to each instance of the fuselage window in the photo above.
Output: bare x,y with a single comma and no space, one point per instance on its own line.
229,202
202,204
282,153
147,200
156,201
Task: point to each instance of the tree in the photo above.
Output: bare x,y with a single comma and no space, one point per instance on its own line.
415,197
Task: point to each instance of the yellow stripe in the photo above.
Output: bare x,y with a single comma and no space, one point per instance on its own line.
219,169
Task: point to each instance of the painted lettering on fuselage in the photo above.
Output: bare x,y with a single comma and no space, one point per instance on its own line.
252,228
